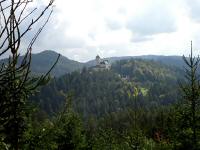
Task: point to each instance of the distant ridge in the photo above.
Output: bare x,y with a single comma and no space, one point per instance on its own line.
167,60
42,62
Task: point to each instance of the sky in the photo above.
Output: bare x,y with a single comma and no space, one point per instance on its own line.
81,29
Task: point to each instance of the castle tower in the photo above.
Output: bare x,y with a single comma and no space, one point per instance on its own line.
98,60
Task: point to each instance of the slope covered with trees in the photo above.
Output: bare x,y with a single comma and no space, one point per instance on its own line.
135,105
102,92
167,60
41,62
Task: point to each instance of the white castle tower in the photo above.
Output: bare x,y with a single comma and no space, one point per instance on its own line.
98,60
101,64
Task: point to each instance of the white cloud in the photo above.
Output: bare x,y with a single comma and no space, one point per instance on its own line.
113,24
82,29
194,9
152,22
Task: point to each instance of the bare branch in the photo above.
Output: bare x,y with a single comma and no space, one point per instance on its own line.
18,22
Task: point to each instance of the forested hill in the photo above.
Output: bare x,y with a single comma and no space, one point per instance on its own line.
167,60
42,62
96,93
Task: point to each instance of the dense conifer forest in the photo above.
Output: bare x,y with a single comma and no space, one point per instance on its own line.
137,104
134,103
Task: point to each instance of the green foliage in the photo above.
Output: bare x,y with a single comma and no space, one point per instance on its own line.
65,131
16,87
98,93
189,114
106,139
128,107
121,107
3,145
16,83
69,132
42,61
40,136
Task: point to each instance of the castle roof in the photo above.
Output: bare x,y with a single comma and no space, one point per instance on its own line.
97,57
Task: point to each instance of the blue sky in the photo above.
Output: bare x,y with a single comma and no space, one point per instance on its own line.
81,29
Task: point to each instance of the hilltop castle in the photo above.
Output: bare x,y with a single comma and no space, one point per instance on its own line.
101,64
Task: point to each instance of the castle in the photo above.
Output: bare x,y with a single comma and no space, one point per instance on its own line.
101,64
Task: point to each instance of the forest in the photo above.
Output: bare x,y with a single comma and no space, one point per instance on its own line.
136,104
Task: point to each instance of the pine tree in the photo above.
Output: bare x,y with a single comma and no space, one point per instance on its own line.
16,82
191,93
69,133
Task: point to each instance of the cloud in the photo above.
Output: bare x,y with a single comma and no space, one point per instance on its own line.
113,24
138,38
27,18
92,35
57,39
153,21
150,25
194,9
82,29
54,36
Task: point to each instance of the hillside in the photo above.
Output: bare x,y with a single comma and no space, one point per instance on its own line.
42,62
96,93
167,60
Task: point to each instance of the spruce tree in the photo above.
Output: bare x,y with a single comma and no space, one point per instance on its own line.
191,94
16,82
